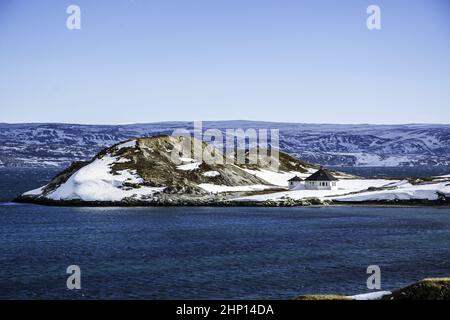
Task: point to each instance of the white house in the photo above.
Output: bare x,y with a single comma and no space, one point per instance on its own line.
295,183
321,180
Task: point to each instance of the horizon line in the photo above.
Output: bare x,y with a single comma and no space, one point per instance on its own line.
237,120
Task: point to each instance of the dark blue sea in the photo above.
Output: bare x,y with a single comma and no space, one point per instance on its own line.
211,253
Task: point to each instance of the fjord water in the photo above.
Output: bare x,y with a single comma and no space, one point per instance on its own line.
212,253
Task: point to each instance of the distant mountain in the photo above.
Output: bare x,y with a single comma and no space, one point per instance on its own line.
31,145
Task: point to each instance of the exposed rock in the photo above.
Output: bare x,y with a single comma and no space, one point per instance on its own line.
426,289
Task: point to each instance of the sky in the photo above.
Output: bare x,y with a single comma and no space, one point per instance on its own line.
310,61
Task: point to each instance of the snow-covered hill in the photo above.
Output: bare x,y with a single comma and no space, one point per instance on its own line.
33,145
152,171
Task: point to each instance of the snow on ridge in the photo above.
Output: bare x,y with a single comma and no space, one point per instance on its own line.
128,144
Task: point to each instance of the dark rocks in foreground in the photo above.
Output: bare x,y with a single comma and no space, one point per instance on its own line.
426,289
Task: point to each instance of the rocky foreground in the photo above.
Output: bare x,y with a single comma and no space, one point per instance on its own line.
426,289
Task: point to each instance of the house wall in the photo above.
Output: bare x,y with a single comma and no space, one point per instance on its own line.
296,185
321,185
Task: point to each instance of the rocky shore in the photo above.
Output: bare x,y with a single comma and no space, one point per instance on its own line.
426,289
227,201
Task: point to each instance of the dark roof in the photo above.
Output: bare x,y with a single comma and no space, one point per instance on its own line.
321,175
295,179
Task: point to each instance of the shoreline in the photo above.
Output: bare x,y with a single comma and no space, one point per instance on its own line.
231,203
425,289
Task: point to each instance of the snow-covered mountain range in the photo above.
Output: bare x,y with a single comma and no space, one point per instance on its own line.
31,145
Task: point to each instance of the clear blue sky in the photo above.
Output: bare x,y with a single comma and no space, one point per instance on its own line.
274,60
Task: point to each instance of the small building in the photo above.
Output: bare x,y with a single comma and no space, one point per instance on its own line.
295,182
321,180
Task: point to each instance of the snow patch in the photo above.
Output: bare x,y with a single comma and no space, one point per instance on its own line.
189,166
276,178
374,160
35,192
128,144
211,174
95,182
370,296
214,188
344,187
404,191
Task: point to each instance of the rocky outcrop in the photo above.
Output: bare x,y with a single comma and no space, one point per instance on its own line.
426,289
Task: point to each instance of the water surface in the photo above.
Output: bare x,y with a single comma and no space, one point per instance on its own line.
212,253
